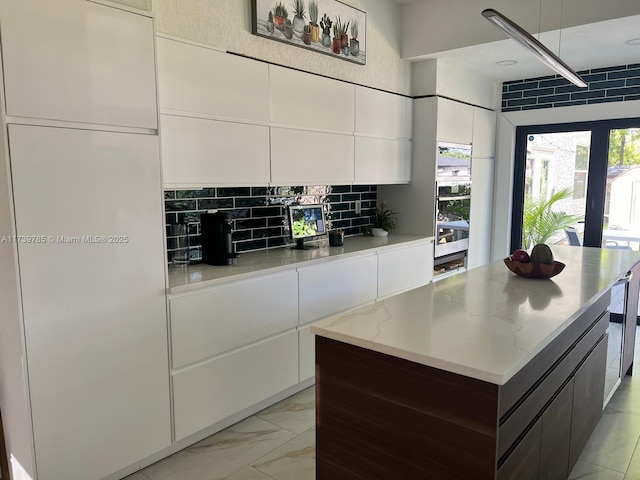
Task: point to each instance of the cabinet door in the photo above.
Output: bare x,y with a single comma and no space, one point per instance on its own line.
480,212
301,157
523,463
210,392
405,268
307,353
383,114
78,62
311,101
455,121
220,319
588,398
201,80
336,286
93,297
379,160
200,152
556,435
484,133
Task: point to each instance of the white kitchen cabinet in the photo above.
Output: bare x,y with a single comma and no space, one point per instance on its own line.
300,157
383,114
335,286
93,64
203,152
455,121
481,211
222,318
403,269
201,80
212,391
306,353
311,101
381,160
93,297
484,133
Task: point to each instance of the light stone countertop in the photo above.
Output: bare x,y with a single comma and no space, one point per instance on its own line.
486,323
247,265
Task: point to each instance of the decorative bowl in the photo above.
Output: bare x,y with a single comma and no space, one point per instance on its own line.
534,269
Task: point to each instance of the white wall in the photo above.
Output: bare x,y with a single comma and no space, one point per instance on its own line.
503,180
227,24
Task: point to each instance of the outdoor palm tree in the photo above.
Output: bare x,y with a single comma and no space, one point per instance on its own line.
540,221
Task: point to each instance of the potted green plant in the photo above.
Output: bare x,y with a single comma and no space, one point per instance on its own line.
542,219
288,29
338,31
313,21
280,14
270,22
354,47
306,35
344,38
384,221
299,12
325,24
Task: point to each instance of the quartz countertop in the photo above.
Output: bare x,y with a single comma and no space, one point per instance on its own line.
192,277
486,323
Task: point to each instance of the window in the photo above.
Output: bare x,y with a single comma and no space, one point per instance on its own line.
580,172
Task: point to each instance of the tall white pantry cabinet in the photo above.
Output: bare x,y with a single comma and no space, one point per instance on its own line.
84,385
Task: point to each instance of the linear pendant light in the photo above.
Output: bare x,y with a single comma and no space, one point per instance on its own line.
542,53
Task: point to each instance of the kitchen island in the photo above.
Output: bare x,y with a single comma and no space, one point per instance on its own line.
480,375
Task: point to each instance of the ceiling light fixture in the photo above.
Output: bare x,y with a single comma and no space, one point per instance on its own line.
542,53
633,41
506,63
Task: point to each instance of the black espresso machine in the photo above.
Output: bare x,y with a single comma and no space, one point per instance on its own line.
215,232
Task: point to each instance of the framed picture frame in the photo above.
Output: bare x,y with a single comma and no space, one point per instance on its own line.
325,26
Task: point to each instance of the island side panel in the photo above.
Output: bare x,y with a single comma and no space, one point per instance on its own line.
383,417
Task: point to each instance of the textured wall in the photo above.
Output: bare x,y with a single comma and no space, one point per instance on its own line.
227,24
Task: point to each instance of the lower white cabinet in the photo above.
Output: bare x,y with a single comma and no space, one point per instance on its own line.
301,157
225,317
212,391
203,152
335,286
306,353
404,269
381,160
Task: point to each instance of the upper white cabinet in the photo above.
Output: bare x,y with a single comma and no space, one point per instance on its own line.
200,80
203,152
484,133
93,64
455,121
383,114
481,212
301,157
310,101
382,160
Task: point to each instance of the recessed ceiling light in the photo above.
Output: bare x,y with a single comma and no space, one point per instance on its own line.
506,63
633,41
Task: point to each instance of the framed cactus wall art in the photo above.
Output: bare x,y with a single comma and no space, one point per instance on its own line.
325,26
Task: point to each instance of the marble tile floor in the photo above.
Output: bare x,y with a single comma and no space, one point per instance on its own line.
278,443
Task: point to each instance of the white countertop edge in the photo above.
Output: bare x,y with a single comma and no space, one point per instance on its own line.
404,241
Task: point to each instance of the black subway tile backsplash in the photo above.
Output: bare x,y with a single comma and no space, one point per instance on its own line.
259,213
611,84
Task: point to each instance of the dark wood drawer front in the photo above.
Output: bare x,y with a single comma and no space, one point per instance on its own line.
535,401
524,463
516,388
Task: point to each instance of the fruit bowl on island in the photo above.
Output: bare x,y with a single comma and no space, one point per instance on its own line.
540,264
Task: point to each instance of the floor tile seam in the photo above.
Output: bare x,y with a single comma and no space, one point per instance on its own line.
262,472
635,450
280,426
606,468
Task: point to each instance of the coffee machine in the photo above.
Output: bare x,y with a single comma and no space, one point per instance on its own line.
215,230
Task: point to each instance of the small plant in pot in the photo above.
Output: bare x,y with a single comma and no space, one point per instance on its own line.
306,35
339,35
288,29
313,21
280,14
270,22
354,47
325,24
384,221
299,13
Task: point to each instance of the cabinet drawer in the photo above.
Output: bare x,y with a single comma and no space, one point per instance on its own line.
404,269
307,353
208,393
220,319
196,151
379,160
336,286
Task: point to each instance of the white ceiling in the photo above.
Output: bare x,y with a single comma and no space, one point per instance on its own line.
594,45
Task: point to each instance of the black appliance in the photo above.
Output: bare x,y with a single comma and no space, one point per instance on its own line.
215,232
